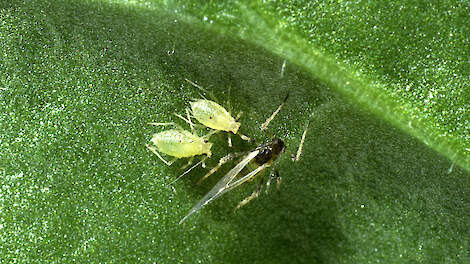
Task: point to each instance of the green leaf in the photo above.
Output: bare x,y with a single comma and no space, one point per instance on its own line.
408,63
384,169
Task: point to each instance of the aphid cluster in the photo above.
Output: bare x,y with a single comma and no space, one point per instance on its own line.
180,143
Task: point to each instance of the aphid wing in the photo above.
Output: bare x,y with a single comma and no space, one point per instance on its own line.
219,188
245,178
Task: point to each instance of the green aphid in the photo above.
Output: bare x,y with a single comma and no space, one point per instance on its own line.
214,116
179,143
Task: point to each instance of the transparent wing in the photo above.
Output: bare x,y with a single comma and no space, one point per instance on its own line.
223,184
249,176
245,178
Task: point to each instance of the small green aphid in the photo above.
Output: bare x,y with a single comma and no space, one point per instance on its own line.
179,143
214,116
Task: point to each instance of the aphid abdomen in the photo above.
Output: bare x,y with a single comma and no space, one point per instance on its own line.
214,116
180,144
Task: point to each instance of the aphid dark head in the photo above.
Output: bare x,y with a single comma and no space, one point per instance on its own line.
278,145
270,151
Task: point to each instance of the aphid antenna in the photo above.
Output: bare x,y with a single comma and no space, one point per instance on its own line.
188,120
449,171
264,126
185,120
292,155
200,95
266,123
188,170
188,115
302,140
283,68
211,95
267,136
167,124
168,163
161,124
229,105
296,157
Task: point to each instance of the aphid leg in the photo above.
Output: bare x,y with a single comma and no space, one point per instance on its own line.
190,169
222,161
299,150
158,155
229,140
266,123
190,161
185,120
271,177
161,124
254,195
245,138
239,134
278,179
